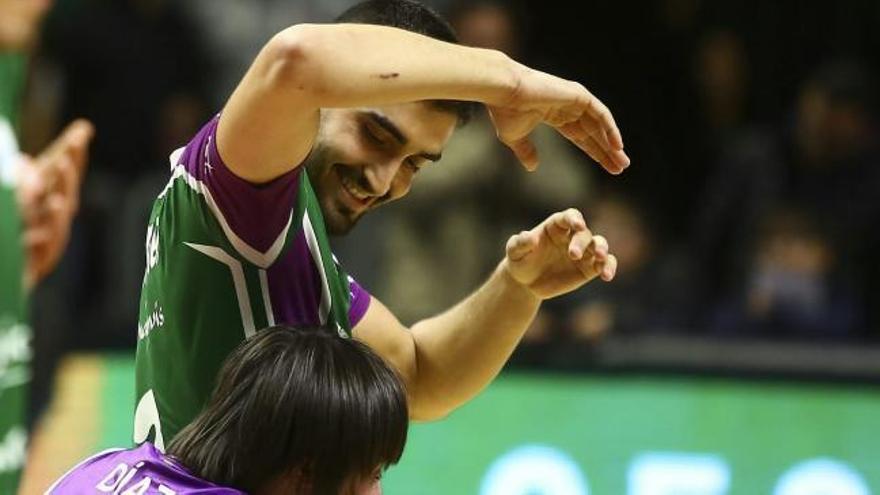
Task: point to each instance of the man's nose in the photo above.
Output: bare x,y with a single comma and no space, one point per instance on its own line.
380,176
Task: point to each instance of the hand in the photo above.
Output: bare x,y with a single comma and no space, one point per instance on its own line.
558,256
48,197
566,106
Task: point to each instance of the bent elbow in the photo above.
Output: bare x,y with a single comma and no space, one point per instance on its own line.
290,58
423,412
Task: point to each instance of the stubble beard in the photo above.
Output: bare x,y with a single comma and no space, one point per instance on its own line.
338,219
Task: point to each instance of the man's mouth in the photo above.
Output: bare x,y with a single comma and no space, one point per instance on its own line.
359,197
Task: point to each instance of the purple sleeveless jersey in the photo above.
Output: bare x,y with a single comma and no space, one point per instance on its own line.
139,471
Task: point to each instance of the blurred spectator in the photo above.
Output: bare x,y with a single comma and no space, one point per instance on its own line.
235,30
471,202
826,161
721,76
135,69
790,290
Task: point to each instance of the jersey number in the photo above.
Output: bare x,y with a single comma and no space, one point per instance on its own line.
146,417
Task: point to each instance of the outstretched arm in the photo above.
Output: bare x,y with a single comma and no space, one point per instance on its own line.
270,122
448,359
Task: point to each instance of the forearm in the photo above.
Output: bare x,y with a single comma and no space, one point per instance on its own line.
351,65
460,351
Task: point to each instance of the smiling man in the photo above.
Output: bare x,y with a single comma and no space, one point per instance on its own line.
330,122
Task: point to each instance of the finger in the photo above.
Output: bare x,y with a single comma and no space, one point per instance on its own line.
560,226
579,243
55,218
601,116
79,135
590,146
602,138
614,161
599,247
72,144
67,182
606,269
520,245
80,131
570,219
592,127
526,153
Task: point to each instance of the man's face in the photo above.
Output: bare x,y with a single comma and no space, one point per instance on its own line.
366,157
19,21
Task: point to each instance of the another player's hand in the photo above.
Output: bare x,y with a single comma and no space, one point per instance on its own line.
558,256
566,106
48,197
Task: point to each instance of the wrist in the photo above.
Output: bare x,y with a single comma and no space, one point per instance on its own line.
504,77
521,292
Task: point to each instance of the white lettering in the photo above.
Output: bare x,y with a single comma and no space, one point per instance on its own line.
14,345
670,473
534,469
140,487
112,480
155,320
125,480
151,249
821,476
13,449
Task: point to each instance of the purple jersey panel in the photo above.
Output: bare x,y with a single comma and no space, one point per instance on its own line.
360,302
258,215
140,470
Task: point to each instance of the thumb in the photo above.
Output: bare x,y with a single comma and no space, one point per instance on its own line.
525,152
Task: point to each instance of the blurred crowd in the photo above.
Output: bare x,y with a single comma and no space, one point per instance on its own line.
747,211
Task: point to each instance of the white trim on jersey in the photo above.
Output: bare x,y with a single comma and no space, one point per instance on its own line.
261,259
267,303
79,465
244,300
312,242
9,154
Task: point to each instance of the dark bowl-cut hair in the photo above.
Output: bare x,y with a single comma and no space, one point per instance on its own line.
417,18
302,402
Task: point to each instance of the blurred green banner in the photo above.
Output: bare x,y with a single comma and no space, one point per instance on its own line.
541,434
578,435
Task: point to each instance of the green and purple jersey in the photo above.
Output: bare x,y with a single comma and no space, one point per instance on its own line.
15,333
15,351
225,258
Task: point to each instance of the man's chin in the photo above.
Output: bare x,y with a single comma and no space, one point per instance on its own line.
337,223
339,228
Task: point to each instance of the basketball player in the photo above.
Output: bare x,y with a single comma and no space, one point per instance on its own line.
295,411
329,122
38,199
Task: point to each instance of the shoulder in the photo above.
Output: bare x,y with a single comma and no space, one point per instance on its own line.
69,478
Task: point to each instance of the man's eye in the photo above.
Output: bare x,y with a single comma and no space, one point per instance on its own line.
373,137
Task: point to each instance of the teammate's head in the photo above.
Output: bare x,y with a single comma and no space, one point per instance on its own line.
298,411
366,157
19,21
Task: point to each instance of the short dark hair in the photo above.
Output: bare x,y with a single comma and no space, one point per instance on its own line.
302,401
417,18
